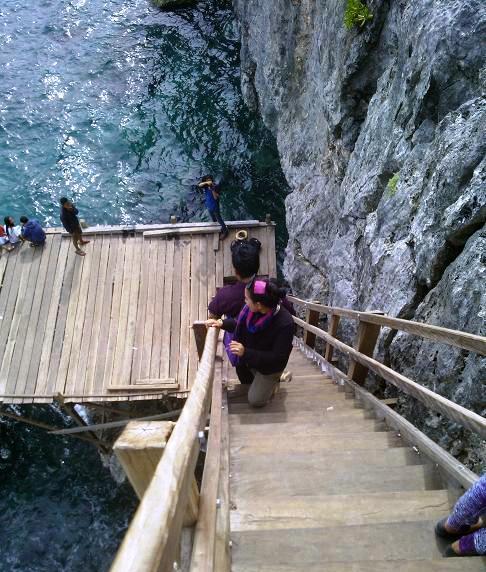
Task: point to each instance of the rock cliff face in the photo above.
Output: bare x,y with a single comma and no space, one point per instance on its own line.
381,132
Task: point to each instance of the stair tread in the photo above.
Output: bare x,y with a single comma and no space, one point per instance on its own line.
280,512
384,541
255,417
471,564
291,428
344,441
320,459
285,479
301,403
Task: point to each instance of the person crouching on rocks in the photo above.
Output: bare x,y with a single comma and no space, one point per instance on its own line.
262,341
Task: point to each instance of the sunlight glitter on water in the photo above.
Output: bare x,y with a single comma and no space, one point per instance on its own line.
151,101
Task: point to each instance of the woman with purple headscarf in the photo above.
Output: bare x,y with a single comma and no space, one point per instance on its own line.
262,339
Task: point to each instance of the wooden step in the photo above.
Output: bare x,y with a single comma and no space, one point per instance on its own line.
323,459
306,370
299,403
336,442
263,416
293,431
289,395
283,478
305,546
472,564
338,510
313,387
310,389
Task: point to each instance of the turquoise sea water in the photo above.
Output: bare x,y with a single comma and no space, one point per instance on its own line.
121,107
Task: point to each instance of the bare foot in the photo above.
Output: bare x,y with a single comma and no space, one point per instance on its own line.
81,253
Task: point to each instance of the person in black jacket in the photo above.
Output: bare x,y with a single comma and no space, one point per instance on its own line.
262,340
70,222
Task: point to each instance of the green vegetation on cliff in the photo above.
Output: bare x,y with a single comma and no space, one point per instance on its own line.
356,14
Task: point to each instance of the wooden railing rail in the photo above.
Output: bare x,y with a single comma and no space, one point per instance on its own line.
152,541
456,338
468,419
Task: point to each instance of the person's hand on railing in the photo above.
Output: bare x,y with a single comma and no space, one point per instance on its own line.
211,323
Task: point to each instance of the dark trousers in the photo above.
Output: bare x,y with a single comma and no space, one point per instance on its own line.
245,375
215,215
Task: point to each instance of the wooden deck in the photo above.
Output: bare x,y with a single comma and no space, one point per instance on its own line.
113,325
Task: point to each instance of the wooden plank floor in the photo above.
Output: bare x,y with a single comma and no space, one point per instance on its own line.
120,316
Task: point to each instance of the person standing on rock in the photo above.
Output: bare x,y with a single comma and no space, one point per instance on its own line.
211,199
71,224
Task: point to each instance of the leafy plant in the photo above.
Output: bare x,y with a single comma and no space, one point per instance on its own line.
356,14
392,184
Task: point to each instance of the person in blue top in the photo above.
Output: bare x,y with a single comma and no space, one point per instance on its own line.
211,199
32,231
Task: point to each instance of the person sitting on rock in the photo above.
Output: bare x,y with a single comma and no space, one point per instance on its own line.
465,525
262,341
32,231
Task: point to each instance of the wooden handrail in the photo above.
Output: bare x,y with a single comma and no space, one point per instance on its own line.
468,419
455,338
152,540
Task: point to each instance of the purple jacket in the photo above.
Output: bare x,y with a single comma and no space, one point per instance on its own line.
229,301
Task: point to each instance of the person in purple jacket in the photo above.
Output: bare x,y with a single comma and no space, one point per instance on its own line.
230,299
262,339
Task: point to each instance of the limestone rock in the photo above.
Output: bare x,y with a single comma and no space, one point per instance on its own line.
401,98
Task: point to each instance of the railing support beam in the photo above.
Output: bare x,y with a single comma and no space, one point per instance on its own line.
366,338
332,331
312,318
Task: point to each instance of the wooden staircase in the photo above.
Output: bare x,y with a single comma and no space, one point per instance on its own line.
318,484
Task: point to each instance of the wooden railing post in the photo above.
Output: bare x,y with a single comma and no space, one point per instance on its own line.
200,332
139,449
332,331
366,338
312,318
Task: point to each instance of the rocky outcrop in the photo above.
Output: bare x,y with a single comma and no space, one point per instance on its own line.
381,136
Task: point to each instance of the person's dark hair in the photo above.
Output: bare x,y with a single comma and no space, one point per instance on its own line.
206,179
272,293
63,200
245,256
24,219
7,222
